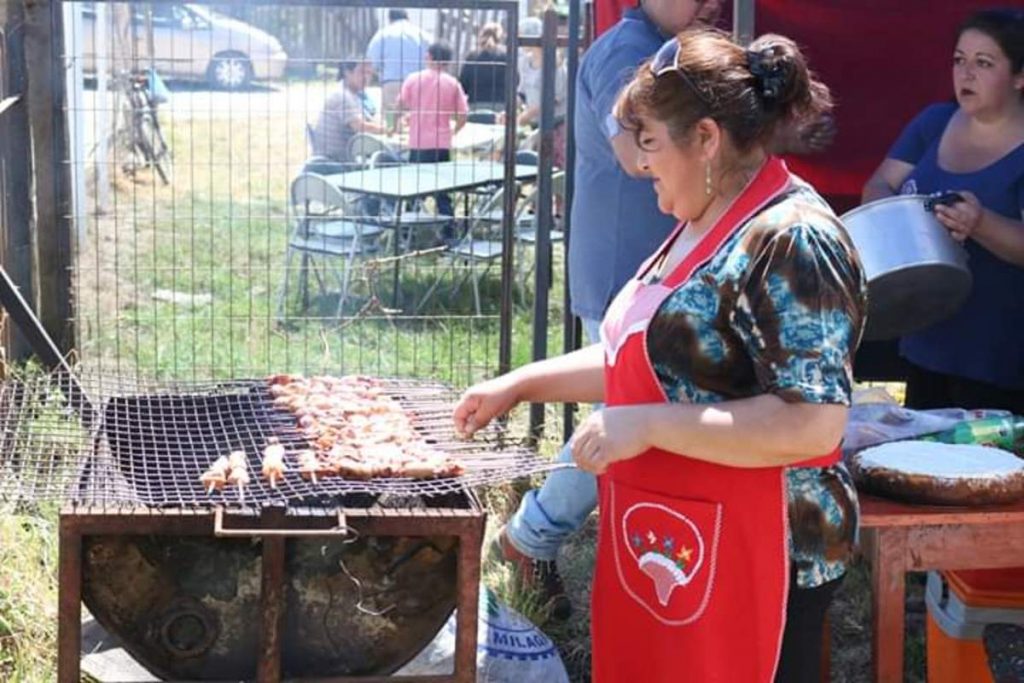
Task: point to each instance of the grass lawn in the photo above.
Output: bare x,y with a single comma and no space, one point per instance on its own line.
28,597
182,282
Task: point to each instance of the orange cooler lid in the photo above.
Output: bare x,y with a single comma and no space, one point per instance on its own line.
988,587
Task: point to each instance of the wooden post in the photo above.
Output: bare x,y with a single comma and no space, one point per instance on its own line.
888,566
69,597
15,170
46,97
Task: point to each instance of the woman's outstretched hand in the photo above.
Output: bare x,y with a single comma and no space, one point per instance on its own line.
483,402
608,436
962,218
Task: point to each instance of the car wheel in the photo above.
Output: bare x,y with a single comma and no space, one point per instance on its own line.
229,71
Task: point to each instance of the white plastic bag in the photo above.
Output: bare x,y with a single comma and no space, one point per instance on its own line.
510,649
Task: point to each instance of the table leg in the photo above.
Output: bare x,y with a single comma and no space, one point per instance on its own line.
395,295
888,579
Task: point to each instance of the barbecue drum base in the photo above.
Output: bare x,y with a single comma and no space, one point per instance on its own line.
190,606
185,607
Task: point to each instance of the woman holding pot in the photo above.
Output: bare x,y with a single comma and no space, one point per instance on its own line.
975,148
727,517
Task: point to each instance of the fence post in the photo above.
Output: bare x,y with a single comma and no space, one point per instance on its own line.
15,169
570,324
509,204
46,98
542,243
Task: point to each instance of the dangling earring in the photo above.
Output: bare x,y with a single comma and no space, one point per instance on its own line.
707,179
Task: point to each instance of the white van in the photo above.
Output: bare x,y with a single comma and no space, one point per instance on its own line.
192,41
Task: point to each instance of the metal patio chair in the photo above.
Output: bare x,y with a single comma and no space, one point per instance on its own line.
475,251
362,146
325,238
482,116
410,224
481,246
527,227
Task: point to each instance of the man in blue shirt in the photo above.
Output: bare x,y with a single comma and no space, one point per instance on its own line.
616,224
396,51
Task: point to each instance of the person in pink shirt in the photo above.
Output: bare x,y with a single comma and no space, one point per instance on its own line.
434,100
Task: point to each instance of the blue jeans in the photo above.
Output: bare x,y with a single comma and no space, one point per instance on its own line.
546,516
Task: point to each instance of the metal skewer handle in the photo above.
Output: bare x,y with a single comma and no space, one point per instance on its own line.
218,529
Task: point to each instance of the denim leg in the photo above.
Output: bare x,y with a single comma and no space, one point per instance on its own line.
444,208
548,515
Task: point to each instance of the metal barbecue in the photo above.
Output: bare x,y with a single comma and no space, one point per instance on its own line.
338,579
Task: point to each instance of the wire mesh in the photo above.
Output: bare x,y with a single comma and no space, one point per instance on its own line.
152,441
195,257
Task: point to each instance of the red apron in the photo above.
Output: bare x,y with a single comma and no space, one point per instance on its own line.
693,564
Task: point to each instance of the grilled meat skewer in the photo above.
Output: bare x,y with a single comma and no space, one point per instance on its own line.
214,478
239,473
273,462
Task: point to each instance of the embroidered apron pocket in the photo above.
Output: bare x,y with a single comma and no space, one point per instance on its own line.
665,551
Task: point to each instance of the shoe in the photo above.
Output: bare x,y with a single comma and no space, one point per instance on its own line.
540,576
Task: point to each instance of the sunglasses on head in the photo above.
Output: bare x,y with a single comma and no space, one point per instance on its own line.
666,60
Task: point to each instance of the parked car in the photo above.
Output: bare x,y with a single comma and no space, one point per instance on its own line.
192,41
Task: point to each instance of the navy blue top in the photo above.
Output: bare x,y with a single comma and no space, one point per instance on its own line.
616,223
984,340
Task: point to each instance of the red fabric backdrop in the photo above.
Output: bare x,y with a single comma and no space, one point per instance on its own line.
884,61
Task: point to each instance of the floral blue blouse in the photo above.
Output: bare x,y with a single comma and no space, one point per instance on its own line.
779,309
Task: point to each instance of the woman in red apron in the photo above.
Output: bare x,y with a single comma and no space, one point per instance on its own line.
726,516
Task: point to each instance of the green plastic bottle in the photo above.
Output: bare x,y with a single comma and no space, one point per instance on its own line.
1001,432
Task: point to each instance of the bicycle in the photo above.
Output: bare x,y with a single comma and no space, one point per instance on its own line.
142,127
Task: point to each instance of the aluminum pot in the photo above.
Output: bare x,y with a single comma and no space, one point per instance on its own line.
917,273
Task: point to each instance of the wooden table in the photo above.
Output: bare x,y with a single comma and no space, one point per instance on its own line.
898,538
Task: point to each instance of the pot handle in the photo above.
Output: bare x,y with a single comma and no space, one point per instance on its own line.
219,531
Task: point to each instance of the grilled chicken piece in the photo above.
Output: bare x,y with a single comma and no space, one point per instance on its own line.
309,464
273,462
214,478
355,430
239,474
350,468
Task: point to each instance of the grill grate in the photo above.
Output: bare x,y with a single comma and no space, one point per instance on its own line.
151,443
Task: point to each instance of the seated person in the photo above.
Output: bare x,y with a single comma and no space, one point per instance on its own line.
344,113
974,147
531,68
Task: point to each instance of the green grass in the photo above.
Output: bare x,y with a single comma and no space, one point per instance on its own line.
28,598
214,243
